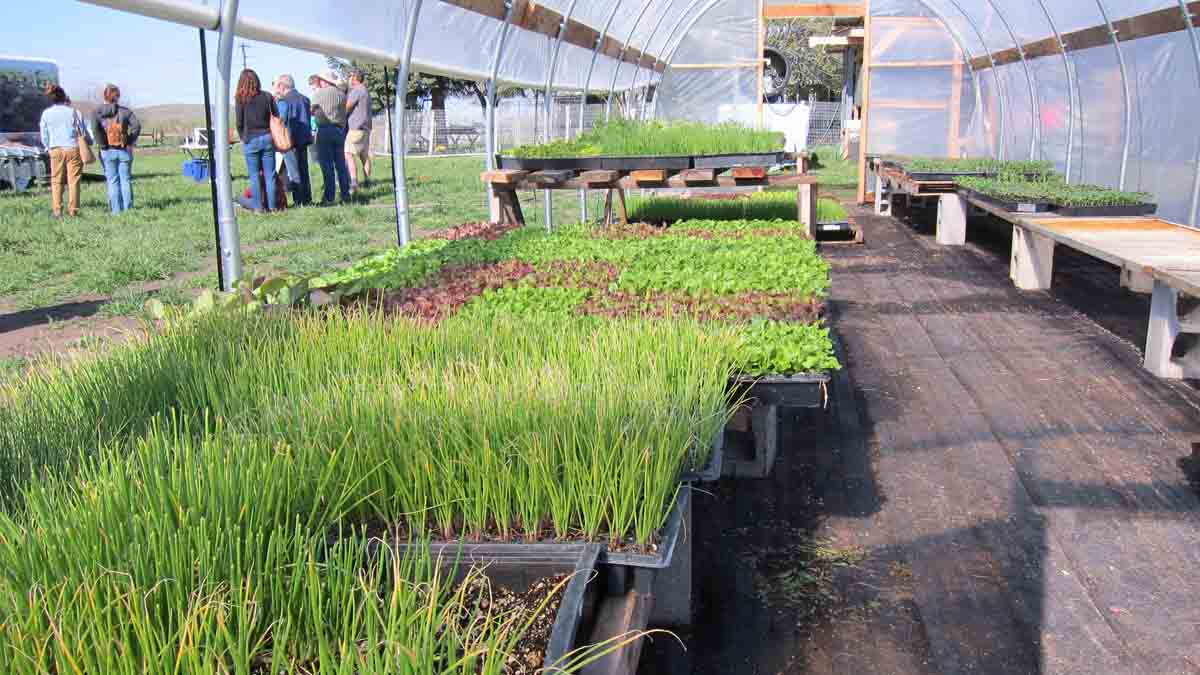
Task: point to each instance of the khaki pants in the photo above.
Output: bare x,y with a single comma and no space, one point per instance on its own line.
65,166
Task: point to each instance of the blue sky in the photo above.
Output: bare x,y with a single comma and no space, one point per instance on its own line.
153,62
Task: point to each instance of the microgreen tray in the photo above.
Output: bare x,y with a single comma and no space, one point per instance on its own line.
661,558
1011,206
517,566
797,391
738,159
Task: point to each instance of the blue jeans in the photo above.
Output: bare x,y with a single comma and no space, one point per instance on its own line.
118,163
299,182
330,155
260,157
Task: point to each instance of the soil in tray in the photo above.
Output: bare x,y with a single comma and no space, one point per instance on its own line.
529,655
401,533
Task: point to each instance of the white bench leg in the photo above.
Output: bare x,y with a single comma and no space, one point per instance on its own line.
952,220
1164,329
1032,260
1136,280
883,196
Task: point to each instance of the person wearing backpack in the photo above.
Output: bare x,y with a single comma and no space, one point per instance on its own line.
295,112
117,129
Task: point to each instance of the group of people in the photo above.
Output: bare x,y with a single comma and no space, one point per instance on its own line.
337,120
66,135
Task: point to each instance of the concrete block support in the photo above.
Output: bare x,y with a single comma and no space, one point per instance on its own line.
673,585
1164,330
1032,260
952,220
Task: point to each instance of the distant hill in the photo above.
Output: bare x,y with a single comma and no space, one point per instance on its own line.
173,119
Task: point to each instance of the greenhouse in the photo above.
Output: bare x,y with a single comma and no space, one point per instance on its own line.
800,337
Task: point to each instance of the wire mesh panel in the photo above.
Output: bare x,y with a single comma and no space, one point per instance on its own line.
825,124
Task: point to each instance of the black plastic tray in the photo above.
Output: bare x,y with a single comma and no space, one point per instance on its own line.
548,163
517,566
712,470
666,547
796,391
738,159
635,163
1107,211
1013,207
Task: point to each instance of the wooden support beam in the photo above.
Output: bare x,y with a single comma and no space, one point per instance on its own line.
599,177
807,10
549,179
649,175
690,176
533,16
865,104
504,176
749,172
1158,22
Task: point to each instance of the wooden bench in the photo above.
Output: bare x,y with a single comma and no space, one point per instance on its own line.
1154,255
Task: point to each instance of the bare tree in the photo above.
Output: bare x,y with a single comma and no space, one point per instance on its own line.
812,71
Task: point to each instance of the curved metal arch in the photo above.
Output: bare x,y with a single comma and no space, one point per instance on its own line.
679,42
1001,94
490,137
587,81
547,195
227,225
649,44
400,112
1187,18
666,43
612,86
970,56
1127,109
1072,85
1030,80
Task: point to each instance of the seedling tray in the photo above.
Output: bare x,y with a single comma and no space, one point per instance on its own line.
738,159
1011,206
796,391
1107,211
711,471
666,546
635,163
518,566
549,163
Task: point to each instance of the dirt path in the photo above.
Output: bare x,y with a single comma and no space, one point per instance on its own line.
1003,486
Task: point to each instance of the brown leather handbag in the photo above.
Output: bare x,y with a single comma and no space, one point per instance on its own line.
281,138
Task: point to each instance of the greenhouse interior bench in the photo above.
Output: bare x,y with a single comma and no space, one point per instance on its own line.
1154,256
505,183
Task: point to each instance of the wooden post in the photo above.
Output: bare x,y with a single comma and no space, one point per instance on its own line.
863,135
624,213
1032,260
952,220
806,198
956,84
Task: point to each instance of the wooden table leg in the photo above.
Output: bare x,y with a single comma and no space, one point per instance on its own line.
608,207
510,208
624,213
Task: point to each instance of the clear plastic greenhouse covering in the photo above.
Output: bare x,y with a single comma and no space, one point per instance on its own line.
1106,89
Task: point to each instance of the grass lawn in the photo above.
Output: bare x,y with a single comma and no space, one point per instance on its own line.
166,242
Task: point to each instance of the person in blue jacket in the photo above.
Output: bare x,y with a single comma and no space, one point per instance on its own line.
294,112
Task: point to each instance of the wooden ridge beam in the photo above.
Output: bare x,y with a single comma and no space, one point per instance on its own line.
810,10
1158,22
533,16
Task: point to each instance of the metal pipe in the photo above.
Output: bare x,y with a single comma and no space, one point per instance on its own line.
671,36
587,84
970,56
1030,80
1071,85
1127,110
1001,95
649,48
1187,18
184,12
227,225
489,142
612,86
400,112
550,72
